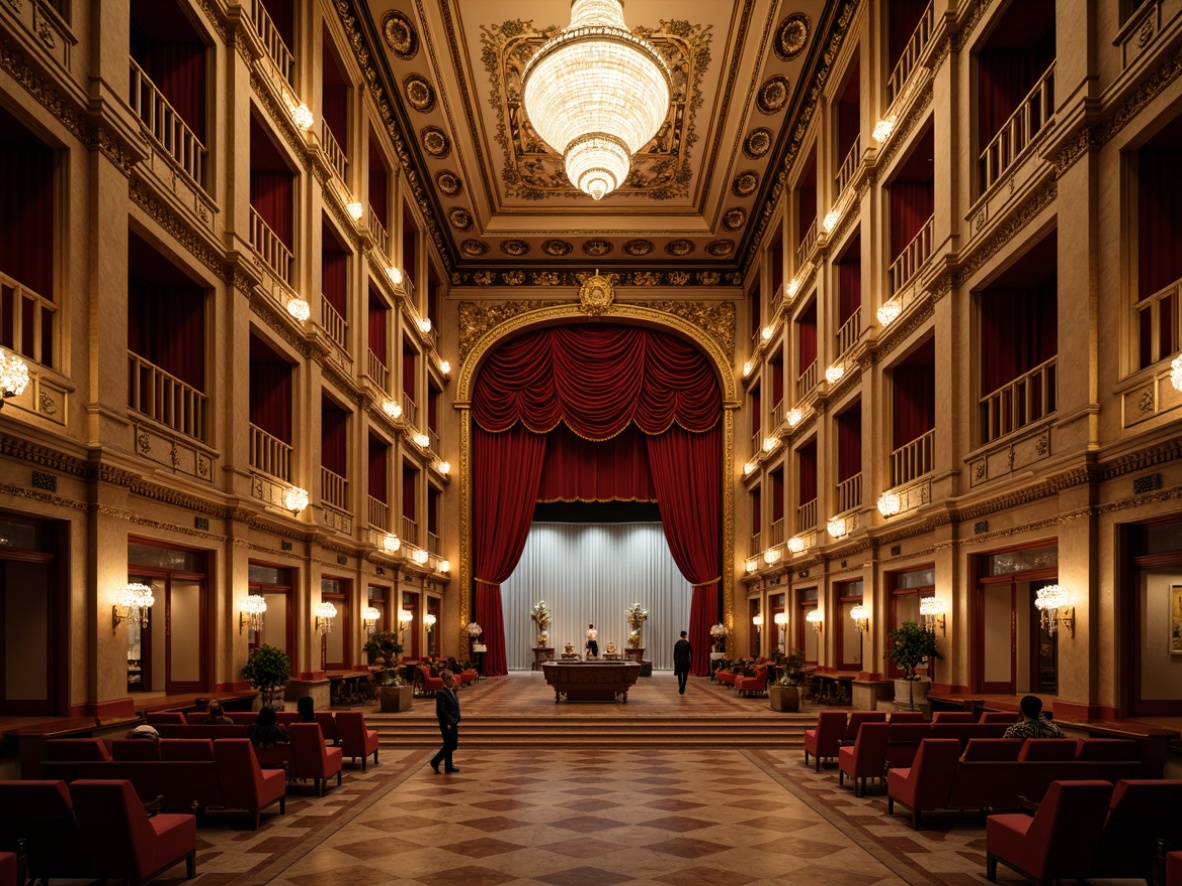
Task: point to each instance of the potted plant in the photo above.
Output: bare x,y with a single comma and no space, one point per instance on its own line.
637,615
540,616
910,645
719,633
385,655
267,669
784,693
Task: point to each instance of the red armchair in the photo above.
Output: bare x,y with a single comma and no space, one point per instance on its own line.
78,749
1057,749
1141,813
866,757
926,782
328,726
425,683
310,758
824,741
187,749
356,739
122,842
243,717
1058,842
155,718
11,869
244,784
953,717
994,749
753,685
1007,717
134,749
857,718
42,814
908,717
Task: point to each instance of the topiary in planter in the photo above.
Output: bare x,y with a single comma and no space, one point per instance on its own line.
911,645
267,669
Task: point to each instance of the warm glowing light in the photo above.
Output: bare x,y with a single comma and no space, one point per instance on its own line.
747,367
444,467
422,440
816,619
302,117
355,210
796,544
445,565
834,373
596,94
795,416
770,443
757,620
1050,597
889,503
134,602
299,309
750,466
429,620
445,367
324,613
752,565
830,221
766,333
391,543
883,130
861,616
295,499
420,556
425,325
405,617
837,527
772,555
395,275
392,409
1176,373
889,312
14,376
780,618
250,612
792,288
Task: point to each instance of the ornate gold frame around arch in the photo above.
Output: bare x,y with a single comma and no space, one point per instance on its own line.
568,314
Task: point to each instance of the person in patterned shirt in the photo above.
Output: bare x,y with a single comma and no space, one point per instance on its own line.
1034,725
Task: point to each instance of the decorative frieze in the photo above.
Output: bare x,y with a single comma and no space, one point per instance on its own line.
177,454
1006,458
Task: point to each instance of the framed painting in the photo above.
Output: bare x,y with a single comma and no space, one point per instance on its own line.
1175,619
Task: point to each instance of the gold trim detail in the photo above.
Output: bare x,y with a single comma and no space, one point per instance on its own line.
596,295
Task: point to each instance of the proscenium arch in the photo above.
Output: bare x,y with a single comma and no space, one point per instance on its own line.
627,315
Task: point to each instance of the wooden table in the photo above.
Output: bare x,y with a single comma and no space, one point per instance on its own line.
542,654
591,680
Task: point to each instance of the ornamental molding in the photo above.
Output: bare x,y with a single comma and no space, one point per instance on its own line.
325,175
262,307
647,278
23,449
902,133
281,118
219,20
41,497
897,333
1014,225
176,225
343,384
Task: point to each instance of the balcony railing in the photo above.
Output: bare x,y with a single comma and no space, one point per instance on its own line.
850,332
378,513
853,159
920,38
432,543
410,412
778,414
913,459
334,324
756,444
849,494
807,380
276,49
1159,322
756,544
336,155
807,241
165,398
334,489
777,532
433,436
270,454
166,126
378,231
1017,403
913,257
377,371
410,530
1024,124
806,516
28,322
271,250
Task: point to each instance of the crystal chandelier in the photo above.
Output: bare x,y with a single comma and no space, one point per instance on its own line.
596,94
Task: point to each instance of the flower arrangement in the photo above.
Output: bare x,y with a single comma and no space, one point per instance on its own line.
474,630
719,632
540,616
636,615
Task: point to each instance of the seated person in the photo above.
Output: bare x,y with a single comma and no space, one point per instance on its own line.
144,731
266,732
1034,725
200,705
217,717
307,709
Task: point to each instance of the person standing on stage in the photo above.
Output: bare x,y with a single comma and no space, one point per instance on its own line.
447,709
592,642
683,654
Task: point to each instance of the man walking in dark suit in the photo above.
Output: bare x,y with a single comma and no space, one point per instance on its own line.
447,709
683,654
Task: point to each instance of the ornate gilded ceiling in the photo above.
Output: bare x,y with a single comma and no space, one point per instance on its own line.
496,197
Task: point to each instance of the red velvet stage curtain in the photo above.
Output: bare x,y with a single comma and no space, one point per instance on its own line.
506,469
849,444
333,439
849,288
914,402
166,326
1159,194
378,458
270,398
583,470
178,70
271,197
912,204
687,474
1019,330
26,217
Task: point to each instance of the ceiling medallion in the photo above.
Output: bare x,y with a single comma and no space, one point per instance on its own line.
679,248
638,248
514,248
435,142
449,183
596,94
557,248
597,248
745,183
400,35
720,248
596,295
757,143
734,218
773,95
420,94
460,218
791,36
474,248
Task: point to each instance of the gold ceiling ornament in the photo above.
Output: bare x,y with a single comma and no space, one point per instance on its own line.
596,295
597,94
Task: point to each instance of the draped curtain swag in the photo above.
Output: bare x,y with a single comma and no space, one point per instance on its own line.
597,381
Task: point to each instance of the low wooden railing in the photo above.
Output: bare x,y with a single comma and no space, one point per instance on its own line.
271,249
920,37
334,489
433,436
756,444
377,370
777,532
1159,321
914,459
850,332
756,544
913,257
849,165
269,454
332,149
334,324
378,231
378,512
166,126
806,516
165,398
1014,405
808,240
807,380
29,322
410,530
432,543
778,414
1031,115
276,49
410,412
849,494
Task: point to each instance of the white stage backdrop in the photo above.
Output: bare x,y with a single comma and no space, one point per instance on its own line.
592,573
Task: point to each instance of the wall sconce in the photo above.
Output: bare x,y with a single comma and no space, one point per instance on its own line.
299,309
770,444
883,130
445,367
445,565
834,373
889,504
420,556
395,275
747,367
325,612
796,544
392,409
757,620
752,565
772,555
134,602
355,210
295,499
405,617
889,312
792,288
425,325
429,620
749,467
829,222
837,527
932,611
369,617
781,621
14,376
861,616
816,619
1051,601
301,115
795,416
422,440
391,543
444,467
250,613
766,333
1176,373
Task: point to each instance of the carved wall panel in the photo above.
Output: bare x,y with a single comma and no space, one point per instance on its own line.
175,453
